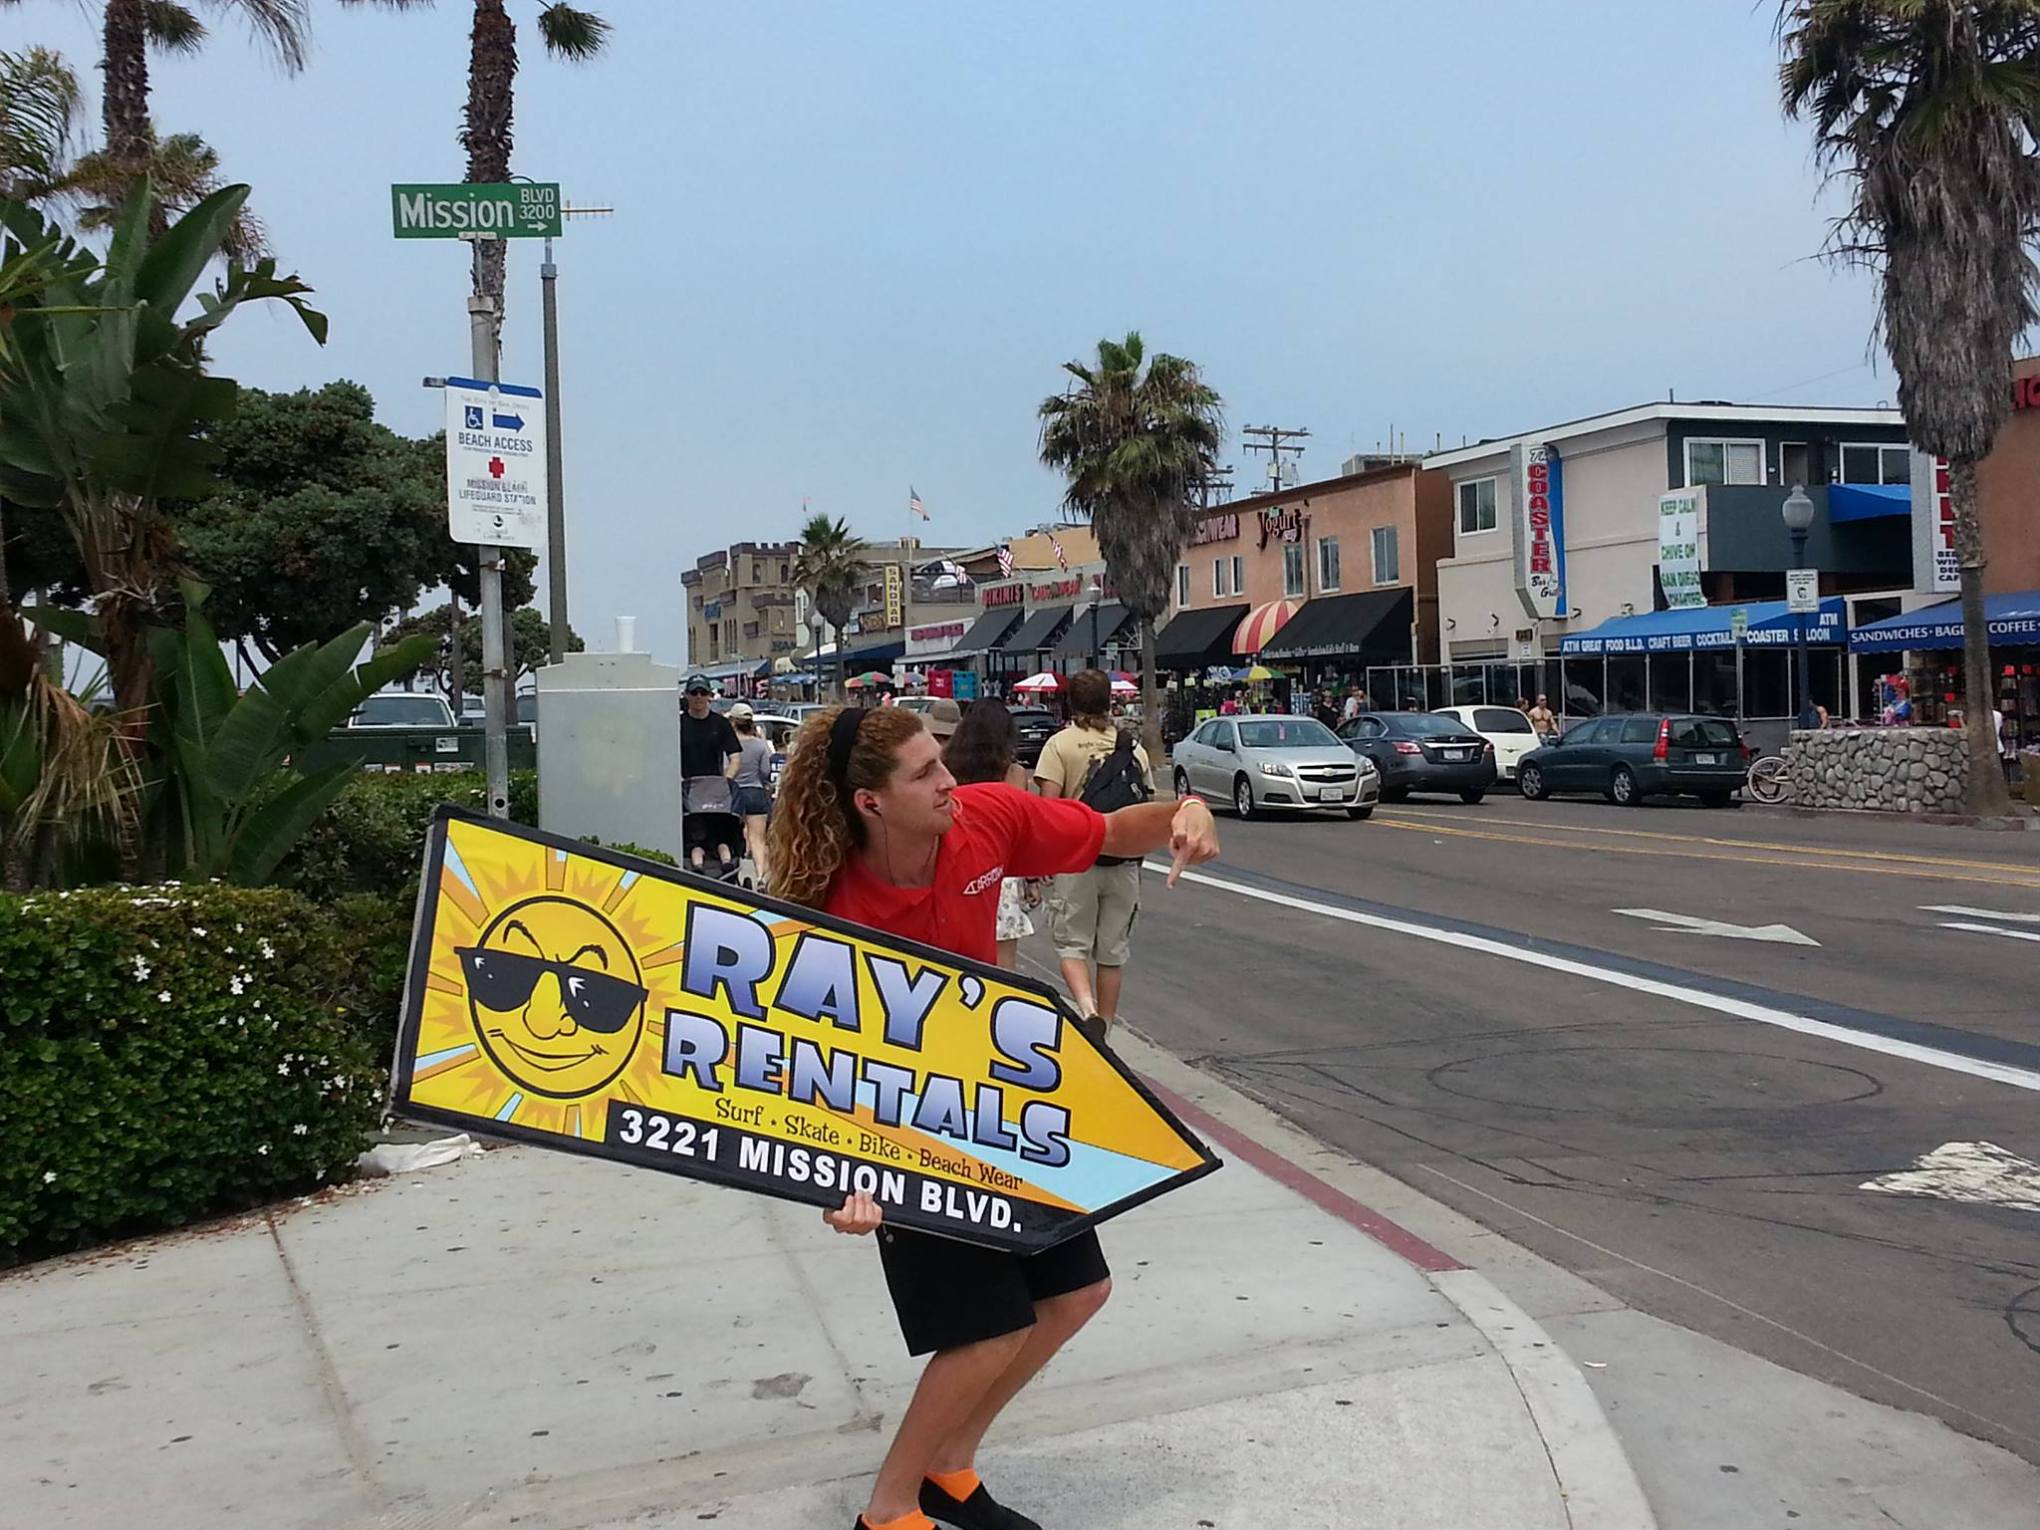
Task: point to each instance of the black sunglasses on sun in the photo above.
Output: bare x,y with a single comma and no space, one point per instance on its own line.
506,980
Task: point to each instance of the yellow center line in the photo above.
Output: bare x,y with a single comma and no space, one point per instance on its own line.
2028,869
1795,862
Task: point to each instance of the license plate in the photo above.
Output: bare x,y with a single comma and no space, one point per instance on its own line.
1706,759
1458,754
1332,794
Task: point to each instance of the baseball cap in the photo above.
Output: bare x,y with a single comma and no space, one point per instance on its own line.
697,685
740,712
944,717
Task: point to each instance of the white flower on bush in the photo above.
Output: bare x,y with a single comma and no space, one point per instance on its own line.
283,1069
268,951
299,1130
141,970
236,985
163,997
198,931
264,1150
50,1175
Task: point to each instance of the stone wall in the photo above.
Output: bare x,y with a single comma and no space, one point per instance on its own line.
1889,770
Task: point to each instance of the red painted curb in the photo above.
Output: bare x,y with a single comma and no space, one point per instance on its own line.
1396,1239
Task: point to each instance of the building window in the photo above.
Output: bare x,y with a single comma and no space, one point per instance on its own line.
1182,585
785,573
1218,576
1239,576
1387,556
1476,506
1327,565
1292,568
1876,463
1724,462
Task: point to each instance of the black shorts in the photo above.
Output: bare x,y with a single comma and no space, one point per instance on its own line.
948,1294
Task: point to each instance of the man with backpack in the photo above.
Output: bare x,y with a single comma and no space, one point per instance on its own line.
1091,912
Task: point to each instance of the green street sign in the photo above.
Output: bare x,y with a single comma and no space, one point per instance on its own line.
523,210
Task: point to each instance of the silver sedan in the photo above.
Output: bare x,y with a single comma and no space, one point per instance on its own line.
1256,763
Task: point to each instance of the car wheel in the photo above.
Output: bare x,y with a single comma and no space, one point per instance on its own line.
1361,812
1530,782
1622,787
1243,797
1469,798
1182,787
1714,799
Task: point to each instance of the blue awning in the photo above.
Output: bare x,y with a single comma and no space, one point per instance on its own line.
2012,619
1709,627
1868,501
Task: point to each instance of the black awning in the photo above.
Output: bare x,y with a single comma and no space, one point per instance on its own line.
1369,622
1040,630
987,632
1195,639
882,652
1112,619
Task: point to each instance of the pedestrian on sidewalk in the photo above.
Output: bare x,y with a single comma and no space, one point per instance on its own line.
872,828
752,785
1091,913
1543,719
985,746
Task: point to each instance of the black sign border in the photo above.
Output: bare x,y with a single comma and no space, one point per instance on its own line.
402,1105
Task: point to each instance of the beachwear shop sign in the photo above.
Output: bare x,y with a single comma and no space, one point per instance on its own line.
1217,528
571,997
995,595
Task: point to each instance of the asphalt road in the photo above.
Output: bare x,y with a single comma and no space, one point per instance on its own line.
1450,993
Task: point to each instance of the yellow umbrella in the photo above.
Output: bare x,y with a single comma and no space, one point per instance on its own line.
1261,672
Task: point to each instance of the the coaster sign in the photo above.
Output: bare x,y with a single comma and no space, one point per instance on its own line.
568,996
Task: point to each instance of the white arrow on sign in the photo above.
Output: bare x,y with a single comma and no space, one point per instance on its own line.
1687,924
1981,1173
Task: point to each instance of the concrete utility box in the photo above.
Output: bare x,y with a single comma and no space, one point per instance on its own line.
609,749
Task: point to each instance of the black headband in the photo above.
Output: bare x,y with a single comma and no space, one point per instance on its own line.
843,739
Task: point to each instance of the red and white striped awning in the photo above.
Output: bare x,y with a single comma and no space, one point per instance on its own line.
1260,624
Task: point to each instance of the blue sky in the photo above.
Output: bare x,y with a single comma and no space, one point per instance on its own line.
854,241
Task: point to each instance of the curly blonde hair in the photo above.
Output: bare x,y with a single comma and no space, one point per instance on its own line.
814,827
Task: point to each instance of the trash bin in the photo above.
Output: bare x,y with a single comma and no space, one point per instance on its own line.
2029,771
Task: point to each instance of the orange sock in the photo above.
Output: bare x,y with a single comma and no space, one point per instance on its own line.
914,1521
958,1485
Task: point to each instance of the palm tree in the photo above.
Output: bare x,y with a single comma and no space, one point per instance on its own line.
1929,110
1136,447
831,566
38,120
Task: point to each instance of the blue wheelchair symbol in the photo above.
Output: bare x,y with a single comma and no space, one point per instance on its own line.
474,417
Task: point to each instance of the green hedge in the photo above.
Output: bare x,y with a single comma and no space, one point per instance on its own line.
372,839
169,1053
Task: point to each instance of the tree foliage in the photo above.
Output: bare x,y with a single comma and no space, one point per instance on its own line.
529,639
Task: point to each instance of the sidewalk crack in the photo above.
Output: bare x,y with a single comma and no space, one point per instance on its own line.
351,1441
866,1416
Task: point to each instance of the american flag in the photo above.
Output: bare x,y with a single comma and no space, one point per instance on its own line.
1061,561
914,502
1005,561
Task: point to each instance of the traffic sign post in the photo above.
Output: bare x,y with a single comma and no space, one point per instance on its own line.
524,210
1739,623
496,489
1802,591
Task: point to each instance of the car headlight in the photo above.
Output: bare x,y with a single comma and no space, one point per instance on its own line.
1367,766
1274,768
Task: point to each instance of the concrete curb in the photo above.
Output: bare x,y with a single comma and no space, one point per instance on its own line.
1593,1472
2014,823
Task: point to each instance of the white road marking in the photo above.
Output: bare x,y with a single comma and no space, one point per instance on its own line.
1979,1173
1988,929
1979,913
1688,924
1742,1009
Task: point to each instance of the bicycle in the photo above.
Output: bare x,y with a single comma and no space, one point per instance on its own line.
1768,782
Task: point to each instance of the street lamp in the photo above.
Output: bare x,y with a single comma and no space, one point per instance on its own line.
816,622
1798,512
1097,599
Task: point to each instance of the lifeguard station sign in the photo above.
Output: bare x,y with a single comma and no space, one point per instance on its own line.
575,998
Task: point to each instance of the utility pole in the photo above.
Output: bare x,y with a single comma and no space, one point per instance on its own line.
1274,440
1215,485
555,470
484,325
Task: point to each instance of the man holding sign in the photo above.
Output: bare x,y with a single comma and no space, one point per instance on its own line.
872,828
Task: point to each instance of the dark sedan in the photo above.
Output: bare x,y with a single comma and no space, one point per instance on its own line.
1634,755
1036,725
1422,752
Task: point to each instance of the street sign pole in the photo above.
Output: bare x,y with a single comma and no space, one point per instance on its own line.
555,472
482,320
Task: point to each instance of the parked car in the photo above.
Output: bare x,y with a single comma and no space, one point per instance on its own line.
474,711
1509,730
403,709
1037,726
1633,755
1422,752
1256,763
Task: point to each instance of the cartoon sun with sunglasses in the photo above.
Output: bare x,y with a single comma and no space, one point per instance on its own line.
555,995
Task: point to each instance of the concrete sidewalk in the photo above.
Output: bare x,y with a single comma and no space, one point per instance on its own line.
535,1340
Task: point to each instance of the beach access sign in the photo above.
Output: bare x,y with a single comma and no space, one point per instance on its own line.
571,997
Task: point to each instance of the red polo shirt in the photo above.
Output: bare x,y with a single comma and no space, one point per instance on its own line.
998,832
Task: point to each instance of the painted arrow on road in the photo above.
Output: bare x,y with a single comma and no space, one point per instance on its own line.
1981,1173
1687,924
1982,913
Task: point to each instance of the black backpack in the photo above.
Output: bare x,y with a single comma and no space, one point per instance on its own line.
1114,782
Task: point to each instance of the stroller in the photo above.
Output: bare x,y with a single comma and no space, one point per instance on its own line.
711,832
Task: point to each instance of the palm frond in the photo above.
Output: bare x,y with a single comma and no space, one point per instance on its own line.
173,28
39,100
285,25
572,34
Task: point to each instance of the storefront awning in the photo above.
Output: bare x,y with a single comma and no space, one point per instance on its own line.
1709,627
1261,624
1366,622
1078,641
2012,619
1039,631
1867,501
864,655
1197,639
729,670
987,632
